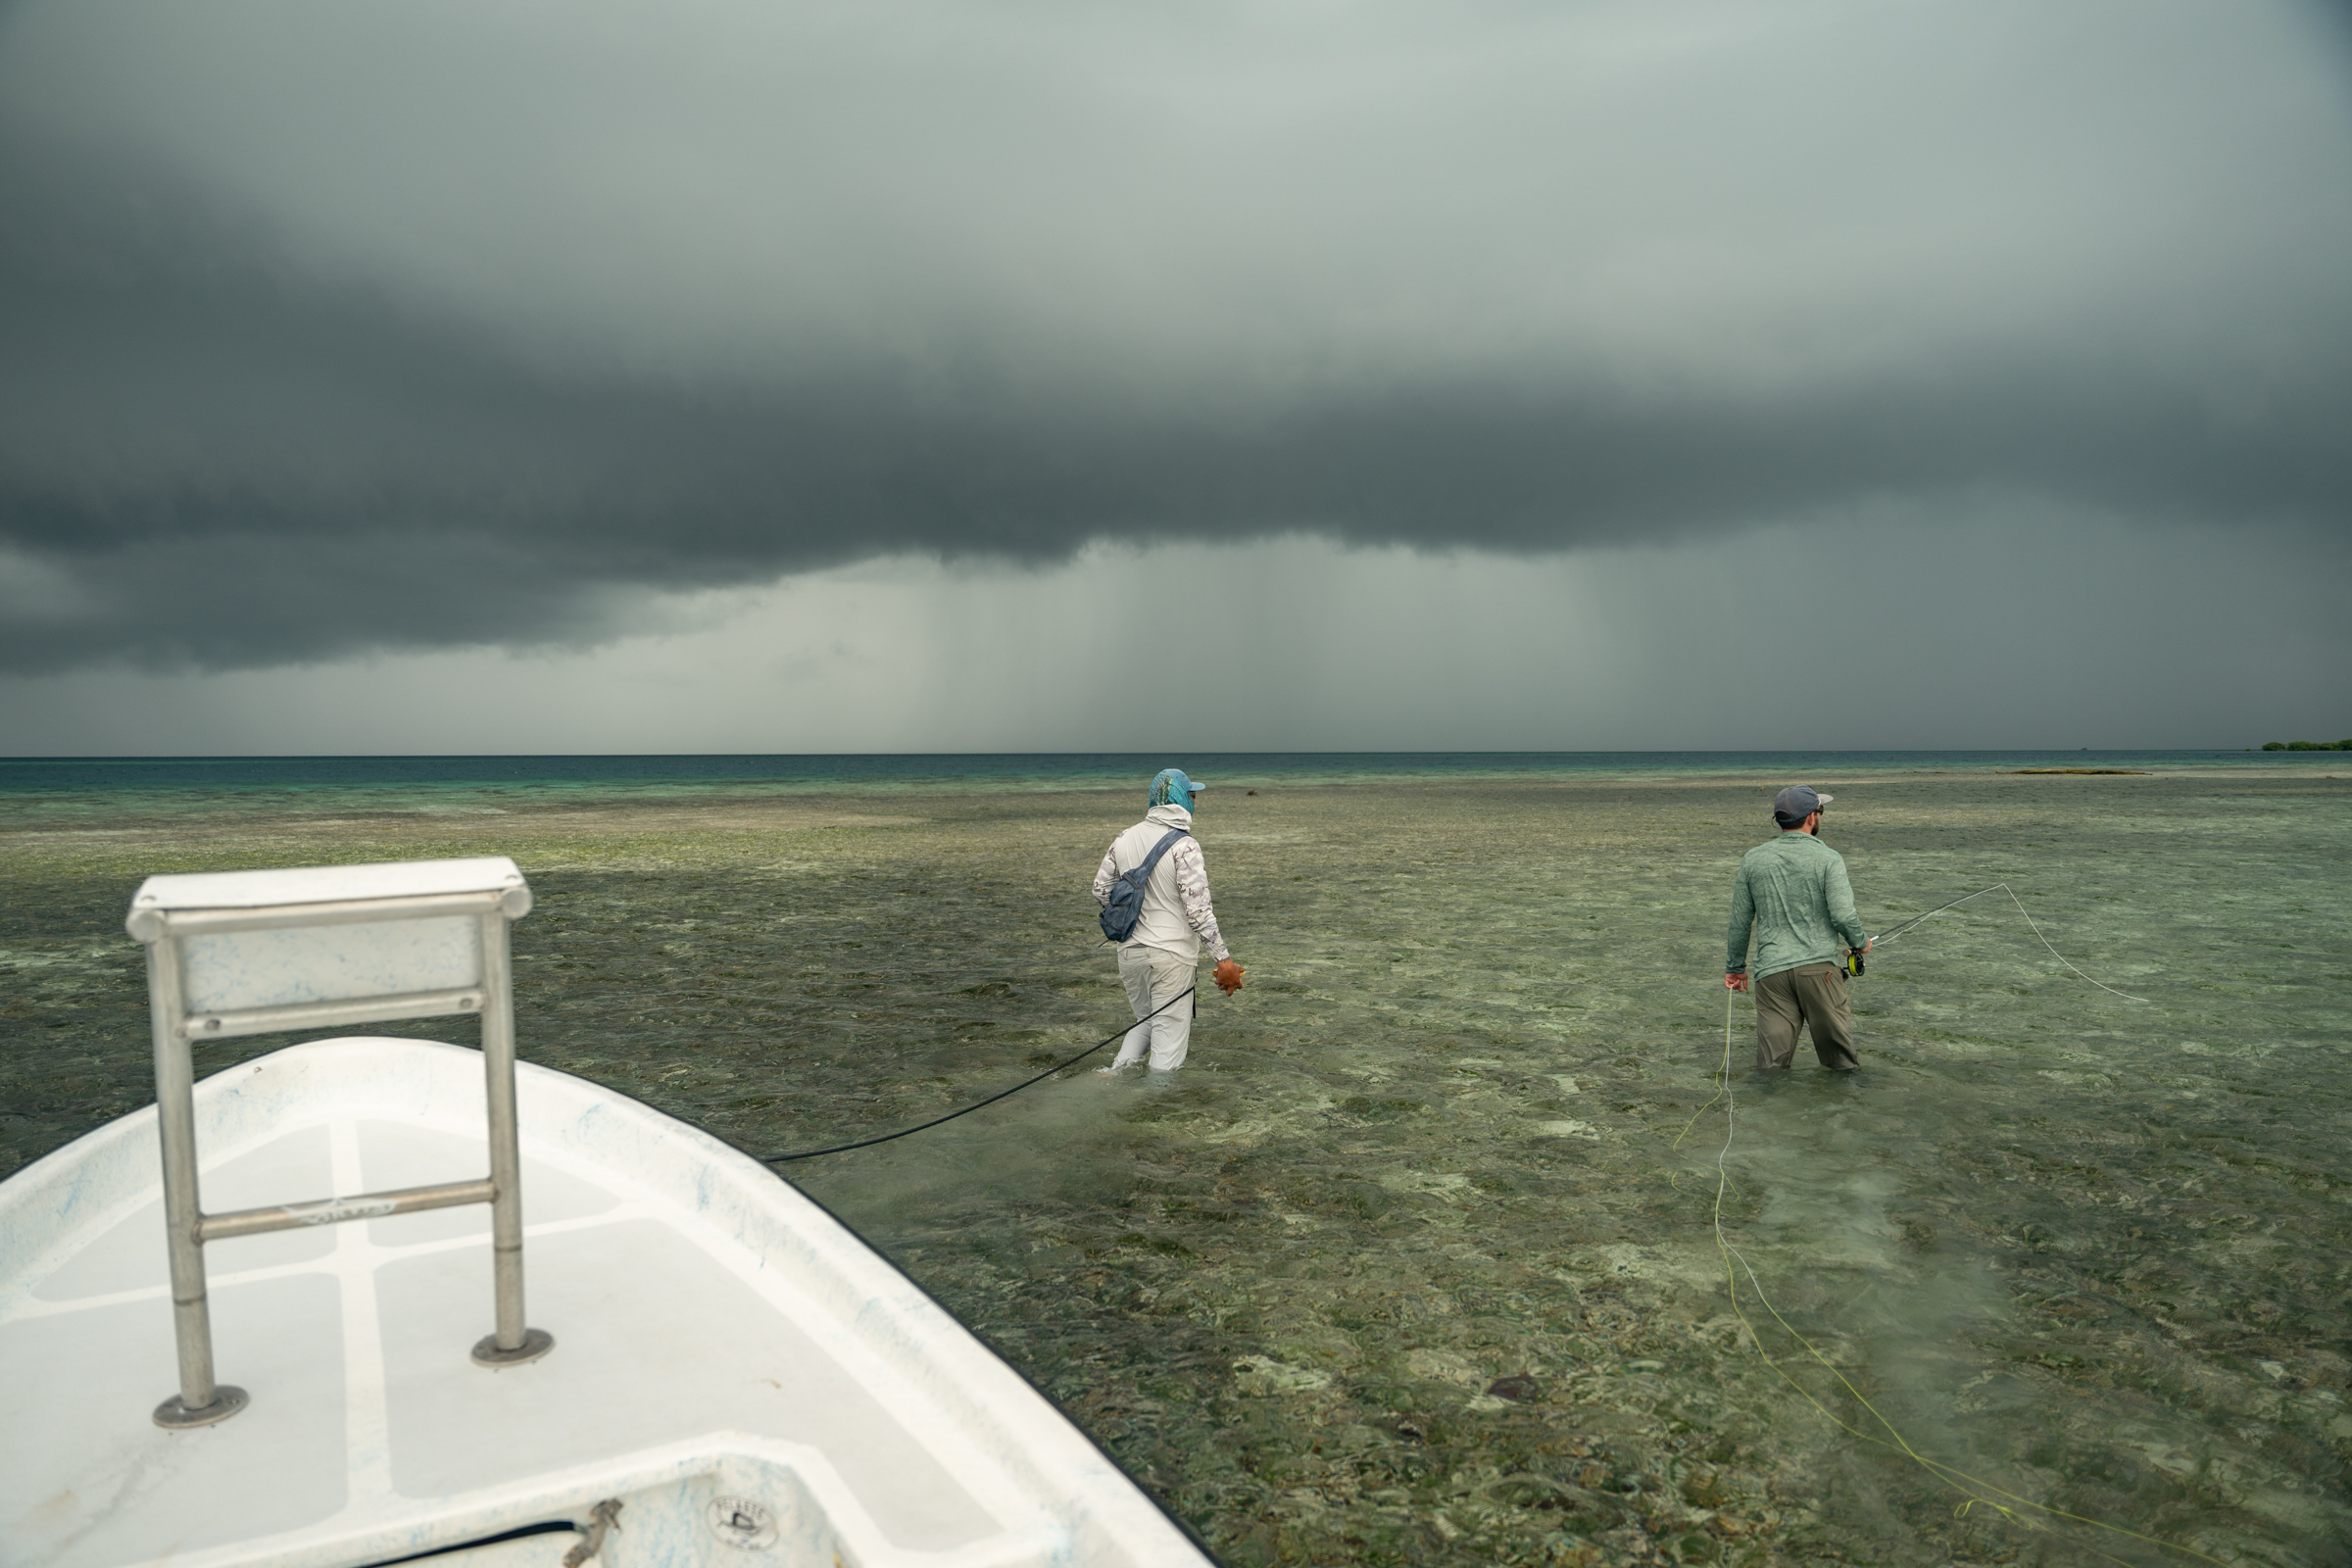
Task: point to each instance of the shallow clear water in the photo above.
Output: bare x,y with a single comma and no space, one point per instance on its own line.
2086,1251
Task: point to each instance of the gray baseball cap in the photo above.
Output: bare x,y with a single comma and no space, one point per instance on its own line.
1799,801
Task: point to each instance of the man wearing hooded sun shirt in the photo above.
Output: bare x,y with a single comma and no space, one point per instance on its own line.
1793,897
1159,960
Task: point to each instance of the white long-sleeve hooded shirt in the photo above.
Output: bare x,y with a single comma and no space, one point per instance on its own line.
1176,917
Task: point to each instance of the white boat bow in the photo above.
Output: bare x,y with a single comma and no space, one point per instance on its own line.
737,1371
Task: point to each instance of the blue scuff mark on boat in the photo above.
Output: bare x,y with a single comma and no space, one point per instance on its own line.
73,1195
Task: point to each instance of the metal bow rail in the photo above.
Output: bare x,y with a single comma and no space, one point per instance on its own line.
255,952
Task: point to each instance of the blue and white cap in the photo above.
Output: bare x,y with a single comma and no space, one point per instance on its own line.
1799,801
1170,787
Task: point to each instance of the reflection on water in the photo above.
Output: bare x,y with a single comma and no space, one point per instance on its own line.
1408,1264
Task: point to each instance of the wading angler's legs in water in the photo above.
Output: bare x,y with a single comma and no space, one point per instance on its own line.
1153,979
1811,997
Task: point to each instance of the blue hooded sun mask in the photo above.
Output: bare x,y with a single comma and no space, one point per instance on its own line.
1170,787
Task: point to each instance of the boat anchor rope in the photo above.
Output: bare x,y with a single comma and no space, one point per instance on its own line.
868,1143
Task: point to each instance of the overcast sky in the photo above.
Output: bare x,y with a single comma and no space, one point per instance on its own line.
465,374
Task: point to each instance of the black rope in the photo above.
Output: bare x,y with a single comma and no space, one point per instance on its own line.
868,1143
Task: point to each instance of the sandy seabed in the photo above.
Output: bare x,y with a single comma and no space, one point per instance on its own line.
1415,1261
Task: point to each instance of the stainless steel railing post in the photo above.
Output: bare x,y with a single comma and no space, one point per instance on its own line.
162,928
200,1400
511,1343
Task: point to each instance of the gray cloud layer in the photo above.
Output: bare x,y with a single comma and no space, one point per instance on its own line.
323,330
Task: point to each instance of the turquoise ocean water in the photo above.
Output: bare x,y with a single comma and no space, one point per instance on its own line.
68,786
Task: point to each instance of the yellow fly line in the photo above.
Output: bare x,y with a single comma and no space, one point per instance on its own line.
2023,1511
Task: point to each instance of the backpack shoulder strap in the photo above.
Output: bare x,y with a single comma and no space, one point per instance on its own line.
1151,860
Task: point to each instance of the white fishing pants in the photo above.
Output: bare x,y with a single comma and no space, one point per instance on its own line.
1153,978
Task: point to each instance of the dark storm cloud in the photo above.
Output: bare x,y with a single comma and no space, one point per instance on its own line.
321,333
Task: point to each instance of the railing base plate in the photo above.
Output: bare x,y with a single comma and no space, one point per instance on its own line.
228,1400
536,1343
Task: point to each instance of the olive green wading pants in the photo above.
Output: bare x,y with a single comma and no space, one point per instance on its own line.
1812,995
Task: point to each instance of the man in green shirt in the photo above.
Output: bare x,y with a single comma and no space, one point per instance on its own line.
1793,897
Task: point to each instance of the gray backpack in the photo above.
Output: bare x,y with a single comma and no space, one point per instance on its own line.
1126,906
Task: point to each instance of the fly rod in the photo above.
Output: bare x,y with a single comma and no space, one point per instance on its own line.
1853,961
1894,931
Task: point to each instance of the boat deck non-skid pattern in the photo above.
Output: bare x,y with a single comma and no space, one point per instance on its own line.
671,1322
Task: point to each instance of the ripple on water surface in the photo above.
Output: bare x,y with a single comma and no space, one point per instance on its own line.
1414,1262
